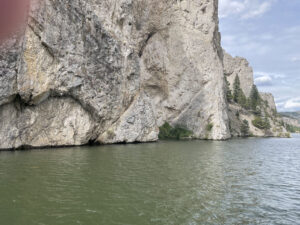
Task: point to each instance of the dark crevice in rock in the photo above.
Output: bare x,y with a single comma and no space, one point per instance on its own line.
19,103
150,35
48,49
35,26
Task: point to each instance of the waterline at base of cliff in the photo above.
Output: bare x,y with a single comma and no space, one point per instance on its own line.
115,73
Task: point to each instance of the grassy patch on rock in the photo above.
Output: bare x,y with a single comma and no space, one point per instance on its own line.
166,131
261,123
209,127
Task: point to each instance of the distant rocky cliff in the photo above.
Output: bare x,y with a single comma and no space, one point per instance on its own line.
251,113
291,121
114,71
293,116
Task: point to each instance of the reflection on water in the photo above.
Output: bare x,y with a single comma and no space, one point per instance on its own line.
242,181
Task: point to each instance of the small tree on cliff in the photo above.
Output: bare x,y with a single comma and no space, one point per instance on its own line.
261,123
255,99
229,95
245,128
238,94
236,88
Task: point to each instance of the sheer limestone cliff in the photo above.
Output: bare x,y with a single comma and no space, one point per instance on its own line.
114,71
238,66
109,71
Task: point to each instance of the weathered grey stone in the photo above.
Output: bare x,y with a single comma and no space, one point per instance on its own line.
269,100
137,124
55,122
237,114
182,71
238,66
10,53
130,65
291,121
116,70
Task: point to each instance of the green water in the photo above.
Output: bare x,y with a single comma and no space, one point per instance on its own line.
242,181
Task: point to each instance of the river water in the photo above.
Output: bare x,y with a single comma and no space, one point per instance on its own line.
241,181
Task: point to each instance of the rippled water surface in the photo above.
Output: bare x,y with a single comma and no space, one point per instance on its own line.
242,181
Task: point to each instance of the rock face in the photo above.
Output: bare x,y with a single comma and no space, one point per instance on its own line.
291,121
238,67
9,62
295,116
55,122
269,100
266,111
113,71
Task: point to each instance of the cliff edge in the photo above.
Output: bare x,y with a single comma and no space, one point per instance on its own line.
113,71
251,113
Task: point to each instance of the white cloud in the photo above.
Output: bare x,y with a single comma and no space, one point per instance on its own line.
245,9
229,7
244,43
272,75
292,104
288,104
258,10
292,30
269,79
266,37
263,80
295,59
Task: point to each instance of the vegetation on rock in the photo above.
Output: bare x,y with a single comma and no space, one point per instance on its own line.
168,132
254,99
229,95
292,129
238,94
245,129
261,123
209,127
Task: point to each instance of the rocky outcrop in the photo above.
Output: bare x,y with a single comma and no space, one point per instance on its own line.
291,121
9,63
55,122
182,70
295,116
268,98
112,71
244,120
238,66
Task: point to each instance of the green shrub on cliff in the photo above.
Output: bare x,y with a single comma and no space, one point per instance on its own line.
245,128
168,132
261,123
229,95
209,127
292,129
254,99
238,94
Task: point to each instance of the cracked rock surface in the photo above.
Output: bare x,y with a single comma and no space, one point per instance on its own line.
111,71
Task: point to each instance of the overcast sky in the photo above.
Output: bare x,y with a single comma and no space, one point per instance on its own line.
267,33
